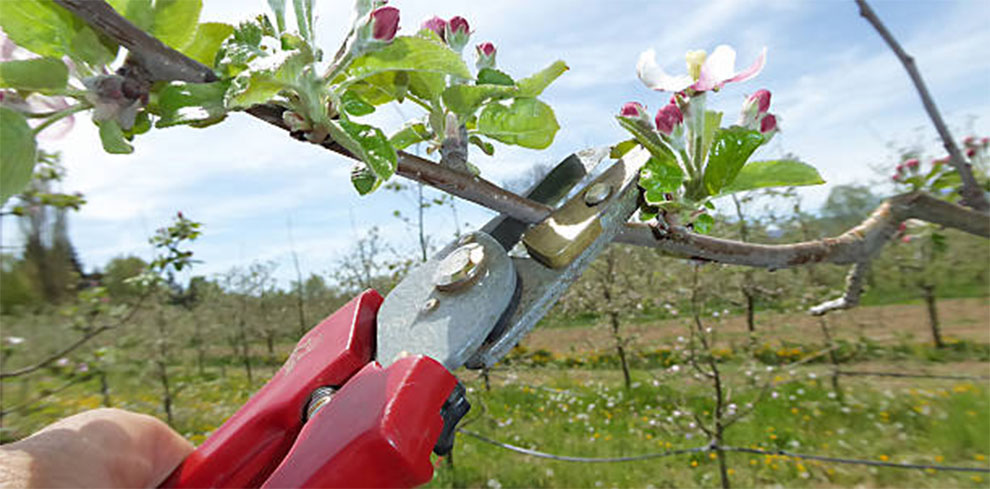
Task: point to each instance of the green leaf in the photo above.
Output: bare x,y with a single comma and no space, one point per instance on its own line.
175,21
409,135
112,137
527,122
251,88
195,104
304,18
659,178
622,148
730,150
535,84
90,48
368,143
139,12
278,8
364,180
491,76
465,99
703,223
484,146
18,151
713,121
34,74
44,28
353,104
240,49
207,41
407,53
773,173
644,134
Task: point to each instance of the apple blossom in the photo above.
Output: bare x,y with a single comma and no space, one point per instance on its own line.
668,118
486,55
458,33
705,73
437,25
384,23
768,123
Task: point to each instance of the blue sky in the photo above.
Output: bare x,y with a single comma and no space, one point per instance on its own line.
839,93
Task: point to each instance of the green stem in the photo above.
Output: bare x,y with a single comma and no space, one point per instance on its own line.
57,116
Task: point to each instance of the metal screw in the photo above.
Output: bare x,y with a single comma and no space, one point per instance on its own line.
597,193
320,397
460,268
430,304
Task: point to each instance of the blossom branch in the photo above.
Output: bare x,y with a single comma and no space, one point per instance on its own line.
973,196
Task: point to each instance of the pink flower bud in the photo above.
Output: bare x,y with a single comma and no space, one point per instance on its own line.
486,49
902,227
459,25
761,99
668,117
437,25
458,33
768,123
632,109
970,152
985,142
178,214
896,178
384,23
906,239
900,169
486,55
969,140
912,164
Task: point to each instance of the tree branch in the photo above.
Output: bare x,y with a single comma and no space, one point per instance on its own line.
159,60
854,289
973,196
848,248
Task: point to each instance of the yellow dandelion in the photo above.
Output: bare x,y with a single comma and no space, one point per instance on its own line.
732,472
694,463
753,461
794,410
939,459
976,478
980,457
712,456
884,458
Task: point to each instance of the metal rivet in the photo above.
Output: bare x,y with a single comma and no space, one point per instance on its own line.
460,268
597,193
320,397
430,304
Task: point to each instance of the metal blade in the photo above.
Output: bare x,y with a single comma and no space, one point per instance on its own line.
550,190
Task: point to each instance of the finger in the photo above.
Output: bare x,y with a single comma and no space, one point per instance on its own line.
100,448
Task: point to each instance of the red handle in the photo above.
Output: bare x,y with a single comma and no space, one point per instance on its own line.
377,431
248,447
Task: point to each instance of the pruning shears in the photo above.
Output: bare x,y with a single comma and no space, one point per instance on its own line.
368,393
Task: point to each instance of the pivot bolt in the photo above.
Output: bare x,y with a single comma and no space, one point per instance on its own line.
430,304
597,193
460,268
320,397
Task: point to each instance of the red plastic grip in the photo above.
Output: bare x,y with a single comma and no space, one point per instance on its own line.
245,450
377,431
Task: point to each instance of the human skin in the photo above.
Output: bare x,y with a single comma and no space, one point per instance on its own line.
105,448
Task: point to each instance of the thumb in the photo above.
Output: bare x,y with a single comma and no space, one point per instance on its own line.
98,448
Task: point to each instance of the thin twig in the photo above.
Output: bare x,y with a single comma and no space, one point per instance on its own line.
854,289
76,344
972,194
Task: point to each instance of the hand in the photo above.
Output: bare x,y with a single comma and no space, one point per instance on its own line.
99,448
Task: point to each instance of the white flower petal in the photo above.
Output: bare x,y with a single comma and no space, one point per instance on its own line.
753,69
718,67
655,78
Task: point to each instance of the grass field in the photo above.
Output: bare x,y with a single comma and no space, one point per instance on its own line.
584,410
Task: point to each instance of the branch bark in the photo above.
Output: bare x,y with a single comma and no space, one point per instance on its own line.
848,248
973,196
